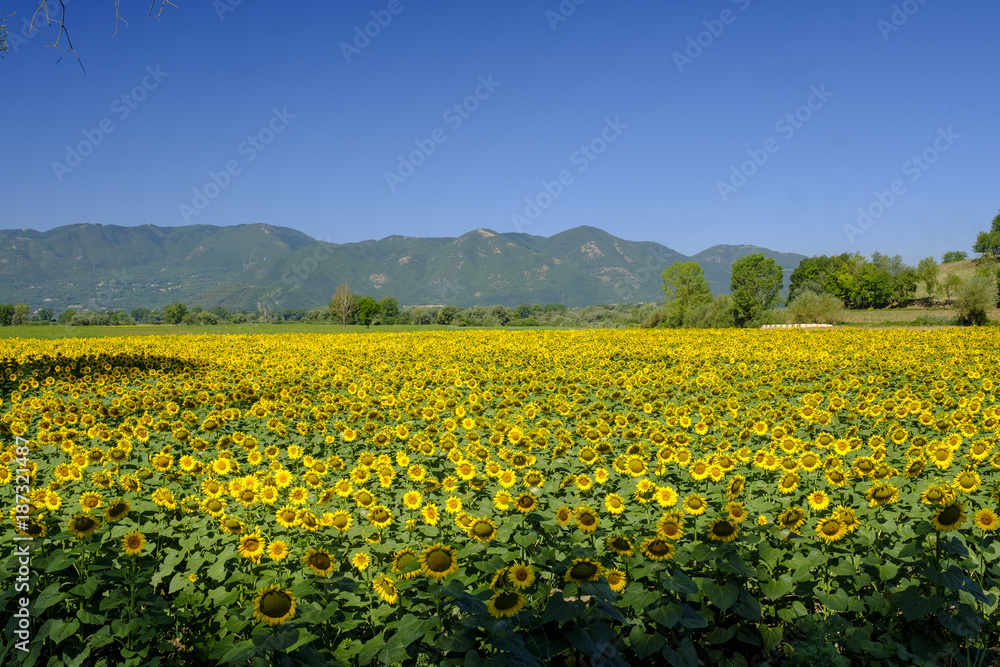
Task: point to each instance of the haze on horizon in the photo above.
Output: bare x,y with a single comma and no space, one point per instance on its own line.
724,122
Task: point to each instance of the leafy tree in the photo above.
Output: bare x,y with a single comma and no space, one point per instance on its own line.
951,285
988,243
502,315
719,313
953,256
820,271
447,314
368,310
6,314
174,313
685,288
45,315
21,311
975,298
927,271
342,304
815,308
755,283
66,316
140,314
390,307
421,316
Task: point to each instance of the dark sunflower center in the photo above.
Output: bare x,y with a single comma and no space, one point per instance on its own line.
320,561
364,498
275,604
233,524
506,600
214,505
883,494
438,561
251,545
340,521
670,529
404,560
134,542
949,515
482,529
725,529
809,460
85,523
658,548
831,528
966,481
584,570
614,502
635,465
380,516
526,501
621,544
588,519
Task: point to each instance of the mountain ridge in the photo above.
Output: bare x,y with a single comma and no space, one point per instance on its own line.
254,265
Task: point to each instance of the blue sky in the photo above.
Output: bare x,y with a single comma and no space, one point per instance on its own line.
689,124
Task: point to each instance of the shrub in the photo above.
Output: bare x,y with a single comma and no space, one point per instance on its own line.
812,308
719,314
975,297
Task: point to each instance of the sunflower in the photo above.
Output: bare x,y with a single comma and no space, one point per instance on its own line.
287,517
319,561
116,510
614,503
616,580
657,548
967,481
520,575
252,546
482,530
723,529
788,483
502,500
364,498
791,519
949,518
83,525
430,514
379,516
438,561
164,498
582,569
90,501
937,495
736,511
505,603
695,504
986,520
818,501
453,505
274,605
586,519
401,560
880,494
386,589
670,525
278,550
666,496
621,545
412,500
846,516
526,502
231,525
361,561
133,543
830,529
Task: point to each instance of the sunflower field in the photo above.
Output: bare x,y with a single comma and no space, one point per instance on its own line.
503,498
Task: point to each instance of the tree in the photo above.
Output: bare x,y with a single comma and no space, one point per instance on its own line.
988,243
66,316
685,288
755,283
447,314
421,315
816,308
927,270
342,304
45,315
390,307
21,311
502,315
174,313
953,256
368,310
951,285
6,314
975,298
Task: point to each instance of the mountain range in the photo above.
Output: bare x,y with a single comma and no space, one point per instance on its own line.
107,267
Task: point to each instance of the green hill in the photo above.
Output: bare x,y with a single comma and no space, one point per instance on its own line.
104,267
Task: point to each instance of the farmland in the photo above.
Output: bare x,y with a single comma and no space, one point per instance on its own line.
499,497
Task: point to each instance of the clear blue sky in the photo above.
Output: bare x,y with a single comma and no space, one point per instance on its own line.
888,95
